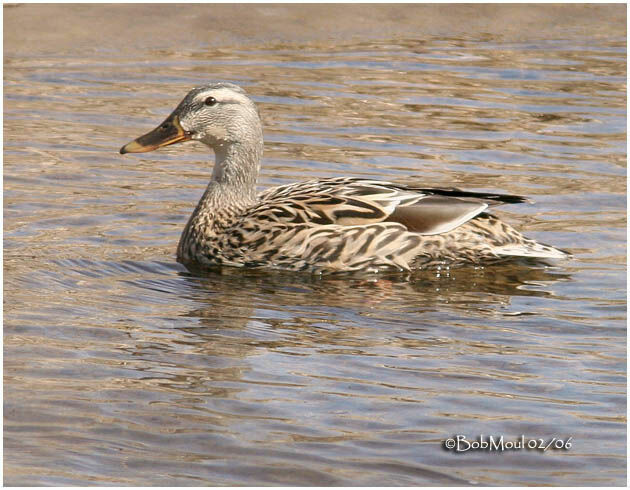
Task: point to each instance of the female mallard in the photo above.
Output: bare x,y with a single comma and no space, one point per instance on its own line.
336,224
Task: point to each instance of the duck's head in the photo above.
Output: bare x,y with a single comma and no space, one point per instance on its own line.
219,115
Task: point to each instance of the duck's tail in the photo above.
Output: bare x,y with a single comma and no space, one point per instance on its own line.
531,248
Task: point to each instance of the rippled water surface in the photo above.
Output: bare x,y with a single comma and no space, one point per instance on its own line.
124,368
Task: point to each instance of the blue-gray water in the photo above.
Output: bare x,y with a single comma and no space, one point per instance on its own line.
123,368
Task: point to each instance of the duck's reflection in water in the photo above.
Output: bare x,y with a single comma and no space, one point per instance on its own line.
234,297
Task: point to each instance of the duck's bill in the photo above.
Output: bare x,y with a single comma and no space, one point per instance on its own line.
167,133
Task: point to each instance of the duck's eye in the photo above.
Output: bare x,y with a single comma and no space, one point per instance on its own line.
210,101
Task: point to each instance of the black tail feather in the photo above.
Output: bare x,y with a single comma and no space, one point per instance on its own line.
493,198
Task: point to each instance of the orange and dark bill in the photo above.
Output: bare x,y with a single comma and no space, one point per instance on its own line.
167,133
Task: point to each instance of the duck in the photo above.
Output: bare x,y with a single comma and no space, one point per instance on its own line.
326,225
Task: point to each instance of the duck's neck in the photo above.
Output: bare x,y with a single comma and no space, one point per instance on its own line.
230,192
233,184
236,170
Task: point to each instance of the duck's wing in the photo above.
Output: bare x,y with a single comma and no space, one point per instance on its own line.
351,202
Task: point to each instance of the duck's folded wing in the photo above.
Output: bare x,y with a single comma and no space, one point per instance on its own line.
436,214
352,202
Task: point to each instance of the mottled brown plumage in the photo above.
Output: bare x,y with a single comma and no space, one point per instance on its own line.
325,225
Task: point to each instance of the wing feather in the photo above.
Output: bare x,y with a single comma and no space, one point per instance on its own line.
355,201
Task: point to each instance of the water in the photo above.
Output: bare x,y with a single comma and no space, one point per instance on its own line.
122,367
